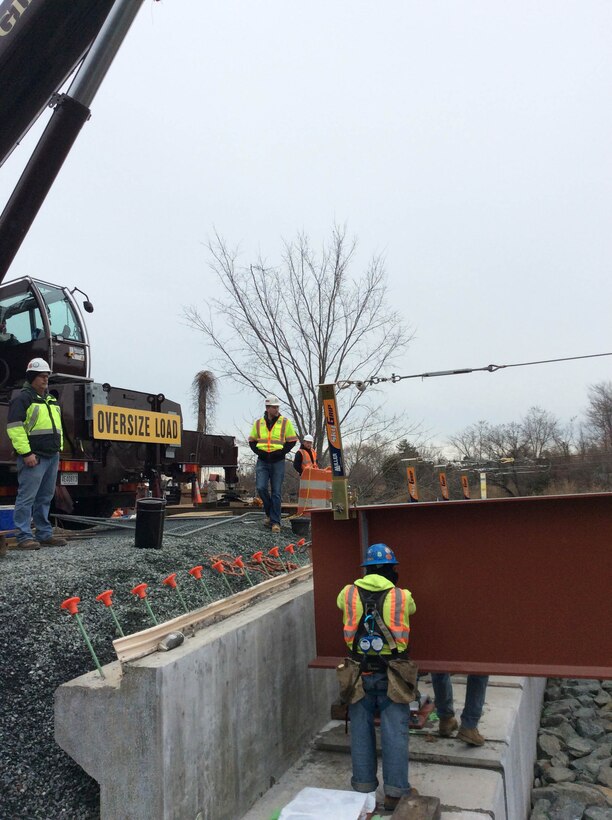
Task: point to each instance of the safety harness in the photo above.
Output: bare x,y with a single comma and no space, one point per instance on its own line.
373,634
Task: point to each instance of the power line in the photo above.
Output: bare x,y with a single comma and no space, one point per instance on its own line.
490,368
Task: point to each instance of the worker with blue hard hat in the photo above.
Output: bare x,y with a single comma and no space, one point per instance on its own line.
374,678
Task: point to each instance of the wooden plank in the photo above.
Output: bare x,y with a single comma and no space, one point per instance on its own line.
145,642
418,807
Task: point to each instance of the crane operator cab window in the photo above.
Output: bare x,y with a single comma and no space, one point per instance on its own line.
60,313
20,319
39,319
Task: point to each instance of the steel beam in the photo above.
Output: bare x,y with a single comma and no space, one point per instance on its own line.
513,586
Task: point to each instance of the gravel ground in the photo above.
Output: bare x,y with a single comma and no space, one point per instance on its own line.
42,647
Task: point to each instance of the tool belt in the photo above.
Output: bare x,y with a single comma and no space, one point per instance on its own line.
349,681
369,663
402,676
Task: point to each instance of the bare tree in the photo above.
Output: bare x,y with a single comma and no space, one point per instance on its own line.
541,433
289,328
204,393
599,414
516,455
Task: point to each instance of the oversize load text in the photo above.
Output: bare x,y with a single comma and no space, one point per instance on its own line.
124,424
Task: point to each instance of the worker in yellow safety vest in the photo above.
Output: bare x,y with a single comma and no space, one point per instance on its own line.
306,456
272,437
34,426
376,632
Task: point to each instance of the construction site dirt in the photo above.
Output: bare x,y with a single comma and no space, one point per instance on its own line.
42,647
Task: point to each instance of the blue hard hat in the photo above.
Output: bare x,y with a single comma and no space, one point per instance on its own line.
379,554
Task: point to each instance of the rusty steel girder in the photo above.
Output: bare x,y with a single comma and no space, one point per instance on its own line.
513,586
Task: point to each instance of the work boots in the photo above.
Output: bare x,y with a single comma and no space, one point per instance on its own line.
275,527
471,736
28,544
267,522
54,541
447,726
390,803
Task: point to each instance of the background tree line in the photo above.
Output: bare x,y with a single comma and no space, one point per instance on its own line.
286,328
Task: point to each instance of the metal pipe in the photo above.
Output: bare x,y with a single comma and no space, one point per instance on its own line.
103,51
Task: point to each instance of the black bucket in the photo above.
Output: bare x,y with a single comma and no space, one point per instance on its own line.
301,526
150,514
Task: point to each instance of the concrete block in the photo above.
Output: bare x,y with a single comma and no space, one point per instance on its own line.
207,727
493,780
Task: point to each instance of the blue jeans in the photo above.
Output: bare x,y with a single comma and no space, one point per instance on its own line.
394,725
474,698
273,475
36,490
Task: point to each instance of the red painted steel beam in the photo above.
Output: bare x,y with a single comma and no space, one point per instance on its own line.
513,586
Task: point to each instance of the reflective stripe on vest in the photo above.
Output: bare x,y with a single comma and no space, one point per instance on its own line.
274,439
310,454
397,601
351,618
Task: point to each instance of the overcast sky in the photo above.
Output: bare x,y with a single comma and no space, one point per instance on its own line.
469,142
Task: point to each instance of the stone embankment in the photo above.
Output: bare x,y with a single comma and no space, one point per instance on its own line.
573,772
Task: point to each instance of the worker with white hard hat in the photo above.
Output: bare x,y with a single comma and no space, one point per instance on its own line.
34,427
272,437
306,456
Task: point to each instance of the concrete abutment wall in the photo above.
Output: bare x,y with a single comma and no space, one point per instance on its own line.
205,728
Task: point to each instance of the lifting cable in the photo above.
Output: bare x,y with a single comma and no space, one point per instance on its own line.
490,368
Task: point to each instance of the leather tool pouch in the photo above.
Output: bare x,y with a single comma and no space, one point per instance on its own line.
349,681
402,680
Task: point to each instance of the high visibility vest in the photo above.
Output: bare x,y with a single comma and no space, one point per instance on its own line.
315,489
35,423
269,440
309,457
397,607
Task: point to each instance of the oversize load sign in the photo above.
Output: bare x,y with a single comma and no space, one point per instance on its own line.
125,424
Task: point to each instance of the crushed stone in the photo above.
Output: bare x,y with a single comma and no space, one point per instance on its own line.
41,646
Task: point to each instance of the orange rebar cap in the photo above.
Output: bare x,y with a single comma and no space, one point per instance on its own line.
105,597
140,590
70,604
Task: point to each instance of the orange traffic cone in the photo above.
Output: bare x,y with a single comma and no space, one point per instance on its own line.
196,496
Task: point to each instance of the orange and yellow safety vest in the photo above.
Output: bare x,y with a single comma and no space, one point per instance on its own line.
397,607
276,437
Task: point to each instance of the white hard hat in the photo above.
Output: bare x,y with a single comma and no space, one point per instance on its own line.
308,438
272,401
38,366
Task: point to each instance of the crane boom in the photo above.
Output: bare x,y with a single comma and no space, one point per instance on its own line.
92,30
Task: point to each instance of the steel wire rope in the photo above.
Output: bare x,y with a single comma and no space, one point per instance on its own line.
361,384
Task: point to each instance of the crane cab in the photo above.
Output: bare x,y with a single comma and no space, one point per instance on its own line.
41,319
